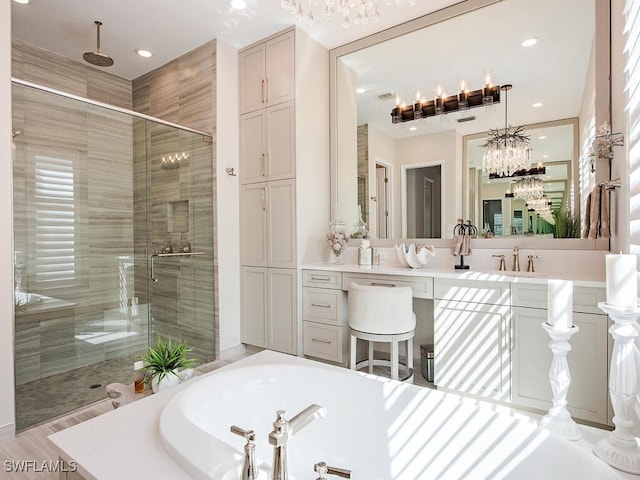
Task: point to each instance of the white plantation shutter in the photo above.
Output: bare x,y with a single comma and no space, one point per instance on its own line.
55,220
632,94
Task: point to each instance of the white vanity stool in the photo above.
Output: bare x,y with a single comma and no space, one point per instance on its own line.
382,314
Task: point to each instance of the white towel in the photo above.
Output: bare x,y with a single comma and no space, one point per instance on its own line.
456,244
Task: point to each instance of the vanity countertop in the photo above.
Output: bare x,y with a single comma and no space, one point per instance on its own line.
579,279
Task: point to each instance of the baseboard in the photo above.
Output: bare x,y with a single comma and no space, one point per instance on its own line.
232,351
7,432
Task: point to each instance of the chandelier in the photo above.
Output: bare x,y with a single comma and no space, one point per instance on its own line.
506,152
359,12
528,188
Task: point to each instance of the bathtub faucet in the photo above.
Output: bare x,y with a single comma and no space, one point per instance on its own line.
283,430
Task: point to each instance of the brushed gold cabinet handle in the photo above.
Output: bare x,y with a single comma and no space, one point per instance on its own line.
318,340
376,284
325,305
323,279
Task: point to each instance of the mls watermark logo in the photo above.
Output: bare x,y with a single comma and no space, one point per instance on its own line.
39,466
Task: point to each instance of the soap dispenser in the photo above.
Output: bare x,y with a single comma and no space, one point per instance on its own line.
365,253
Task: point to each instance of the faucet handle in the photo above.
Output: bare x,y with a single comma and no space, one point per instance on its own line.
502,266
249,435
530,262
322,469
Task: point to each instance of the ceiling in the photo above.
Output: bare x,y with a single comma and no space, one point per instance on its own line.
170,28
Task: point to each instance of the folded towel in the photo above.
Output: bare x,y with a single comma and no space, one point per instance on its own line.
456,244
586,224
605,231
595,213
466,245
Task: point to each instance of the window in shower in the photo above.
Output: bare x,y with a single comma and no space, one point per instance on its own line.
55,221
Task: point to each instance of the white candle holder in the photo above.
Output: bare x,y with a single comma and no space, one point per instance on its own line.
620,449
558,420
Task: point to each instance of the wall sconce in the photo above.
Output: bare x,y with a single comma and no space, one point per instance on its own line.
171,162
443,104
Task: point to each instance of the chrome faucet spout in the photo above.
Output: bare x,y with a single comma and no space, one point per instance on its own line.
283,430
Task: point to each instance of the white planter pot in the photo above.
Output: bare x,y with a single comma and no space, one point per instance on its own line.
167,381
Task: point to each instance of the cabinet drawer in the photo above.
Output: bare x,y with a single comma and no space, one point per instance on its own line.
422,287
323,341
322,305
585,299
476,291
321,278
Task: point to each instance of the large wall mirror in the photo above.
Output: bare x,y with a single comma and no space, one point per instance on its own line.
415,179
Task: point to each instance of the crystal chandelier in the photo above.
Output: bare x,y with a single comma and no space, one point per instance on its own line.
506,152
528,188
359,12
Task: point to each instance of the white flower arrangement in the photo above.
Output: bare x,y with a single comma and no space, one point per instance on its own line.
337,241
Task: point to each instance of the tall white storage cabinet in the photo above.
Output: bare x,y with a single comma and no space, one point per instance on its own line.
268,195
284,182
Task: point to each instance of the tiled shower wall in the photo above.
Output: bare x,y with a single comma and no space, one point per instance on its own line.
45,341
183,92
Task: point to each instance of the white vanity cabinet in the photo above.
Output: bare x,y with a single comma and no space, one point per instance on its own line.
267,146
266,73
588,392
324,311
473,337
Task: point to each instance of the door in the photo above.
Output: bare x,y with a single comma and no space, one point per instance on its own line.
492,215
254,326
280,142
282,314
424,202
253,227
252,78
382,201
281,217
253,160
280,69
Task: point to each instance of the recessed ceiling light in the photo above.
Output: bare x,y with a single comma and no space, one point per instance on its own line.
23,2
238,4
360,90
537,105
529,42
413,129
542,137
545,156
144,53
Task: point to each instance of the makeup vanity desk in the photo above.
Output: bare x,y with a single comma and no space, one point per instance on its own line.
487,333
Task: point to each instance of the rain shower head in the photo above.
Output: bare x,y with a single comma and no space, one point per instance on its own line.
98,58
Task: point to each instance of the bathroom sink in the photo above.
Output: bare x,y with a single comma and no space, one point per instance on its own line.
520,274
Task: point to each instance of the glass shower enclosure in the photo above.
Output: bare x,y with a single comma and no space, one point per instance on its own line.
113,246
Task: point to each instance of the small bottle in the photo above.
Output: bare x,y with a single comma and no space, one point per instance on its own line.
365,253
138,377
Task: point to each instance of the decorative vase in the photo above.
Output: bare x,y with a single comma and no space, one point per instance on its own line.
337,238
169,380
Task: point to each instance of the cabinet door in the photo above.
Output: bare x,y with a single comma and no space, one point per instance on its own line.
280,69
252,79
254,325
253,224
280,144
282,310
588,392
253,150
281,215
472,348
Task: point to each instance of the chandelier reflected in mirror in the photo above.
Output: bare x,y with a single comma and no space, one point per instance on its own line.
359,12
528,188
506,151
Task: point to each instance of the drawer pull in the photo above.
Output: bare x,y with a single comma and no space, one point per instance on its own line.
318,340
324,305
323,279
376,284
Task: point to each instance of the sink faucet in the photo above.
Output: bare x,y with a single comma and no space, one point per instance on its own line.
502,266
283,430
530,263
516,259
249,468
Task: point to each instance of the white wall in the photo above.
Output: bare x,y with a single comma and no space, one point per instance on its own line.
227,156
7,412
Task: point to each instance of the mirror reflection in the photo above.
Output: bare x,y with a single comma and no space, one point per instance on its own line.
416,178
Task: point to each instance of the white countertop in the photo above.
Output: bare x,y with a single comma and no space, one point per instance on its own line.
578,279
124,444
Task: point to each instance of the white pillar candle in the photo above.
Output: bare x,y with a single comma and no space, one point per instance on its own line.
622,281
560,299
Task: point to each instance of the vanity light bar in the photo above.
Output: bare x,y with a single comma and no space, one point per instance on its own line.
460,101
521,173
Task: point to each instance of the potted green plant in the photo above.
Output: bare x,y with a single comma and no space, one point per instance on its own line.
163,361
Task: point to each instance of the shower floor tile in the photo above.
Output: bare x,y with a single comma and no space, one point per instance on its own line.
41,400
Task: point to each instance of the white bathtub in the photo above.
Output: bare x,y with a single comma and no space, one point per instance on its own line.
377,428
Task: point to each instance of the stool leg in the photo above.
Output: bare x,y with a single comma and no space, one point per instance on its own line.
370,356
354,343
409,355
394,359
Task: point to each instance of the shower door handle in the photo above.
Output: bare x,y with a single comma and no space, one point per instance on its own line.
183,254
